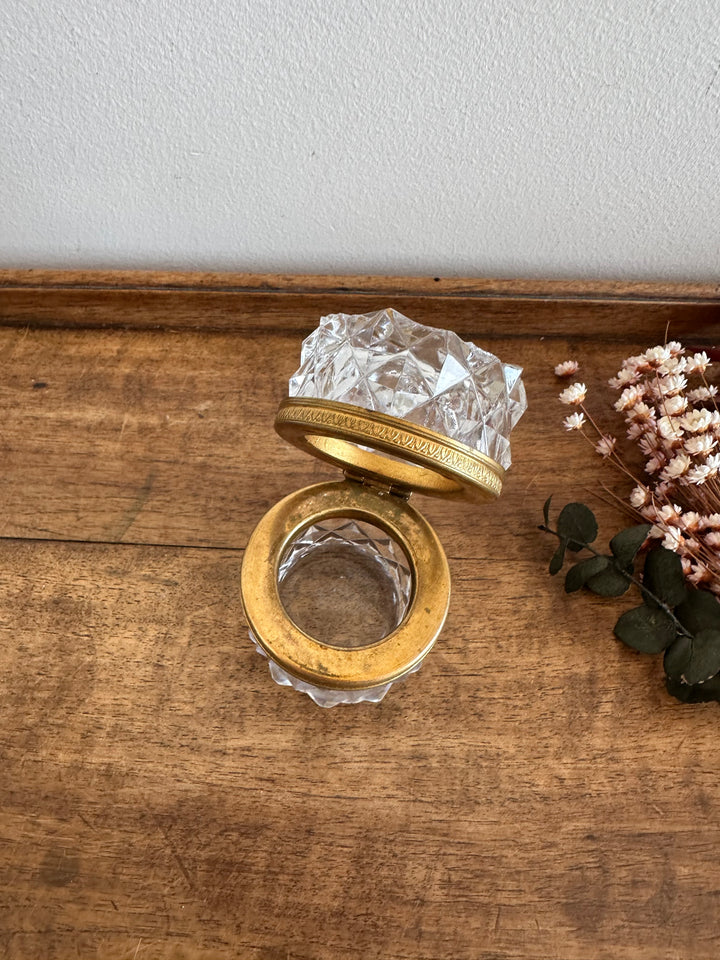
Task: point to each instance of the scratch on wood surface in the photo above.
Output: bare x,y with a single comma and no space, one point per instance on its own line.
86,822
15,342
174,853
131,514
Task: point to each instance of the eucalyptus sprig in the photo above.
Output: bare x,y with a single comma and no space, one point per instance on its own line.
673,618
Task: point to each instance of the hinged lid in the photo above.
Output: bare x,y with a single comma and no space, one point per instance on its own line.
403,456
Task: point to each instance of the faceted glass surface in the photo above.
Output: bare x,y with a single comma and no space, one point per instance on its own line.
345,582
321,559
386,362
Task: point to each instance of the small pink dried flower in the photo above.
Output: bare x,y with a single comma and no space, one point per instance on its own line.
701,474
678,466
697,363
701,444
630,397
672,539
641,411
701,394
605,445
648,444
669,428
567,368
574,394
690,521
669,386
700,574
574,422
656,355
673,365
635,430
697,421
674,406
669,513
625,377
639,496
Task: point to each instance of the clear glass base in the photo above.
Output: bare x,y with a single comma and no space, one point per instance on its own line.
325,696
346,583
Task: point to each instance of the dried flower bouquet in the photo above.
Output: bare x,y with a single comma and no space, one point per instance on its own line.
672,420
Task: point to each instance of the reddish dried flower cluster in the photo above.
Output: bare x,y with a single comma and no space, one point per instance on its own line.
670,412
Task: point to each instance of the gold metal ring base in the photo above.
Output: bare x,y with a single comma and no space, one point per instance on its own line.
322,664
409,458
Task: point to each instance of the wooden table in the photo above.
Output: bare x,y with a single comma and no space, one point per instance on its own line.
532,793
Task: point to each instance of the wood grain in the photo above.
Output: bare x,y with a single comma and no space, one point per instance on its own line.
531,793
43,280
250,303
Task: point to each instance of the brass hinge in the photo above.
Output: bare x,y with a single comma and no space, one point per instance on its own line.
378,486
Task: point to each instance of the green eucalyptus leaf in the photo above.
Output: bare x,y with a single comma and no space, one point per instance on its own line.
663,576
546,510
609,583
579,575
705,658
698,693
575,547
677,657
627,542
647,629
558,558
577,524
699,611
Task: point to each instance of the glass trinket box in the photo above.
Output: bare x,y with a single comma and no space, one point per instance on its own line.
401,408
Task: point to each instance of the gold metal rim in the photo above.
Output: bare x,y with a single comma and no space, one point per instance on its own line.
429,463
307,658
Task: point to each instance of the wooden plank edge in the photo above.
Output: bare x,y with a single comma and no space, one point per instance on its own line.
277,283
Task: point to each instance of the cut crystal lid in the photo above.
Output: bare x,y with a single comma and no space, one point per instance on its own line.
388,363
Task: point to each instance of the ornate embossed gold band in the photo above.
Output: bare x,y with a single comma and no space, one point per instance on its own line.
408,458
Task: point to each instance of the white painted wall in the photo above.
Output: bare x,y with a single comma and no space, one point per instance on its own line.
454,137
